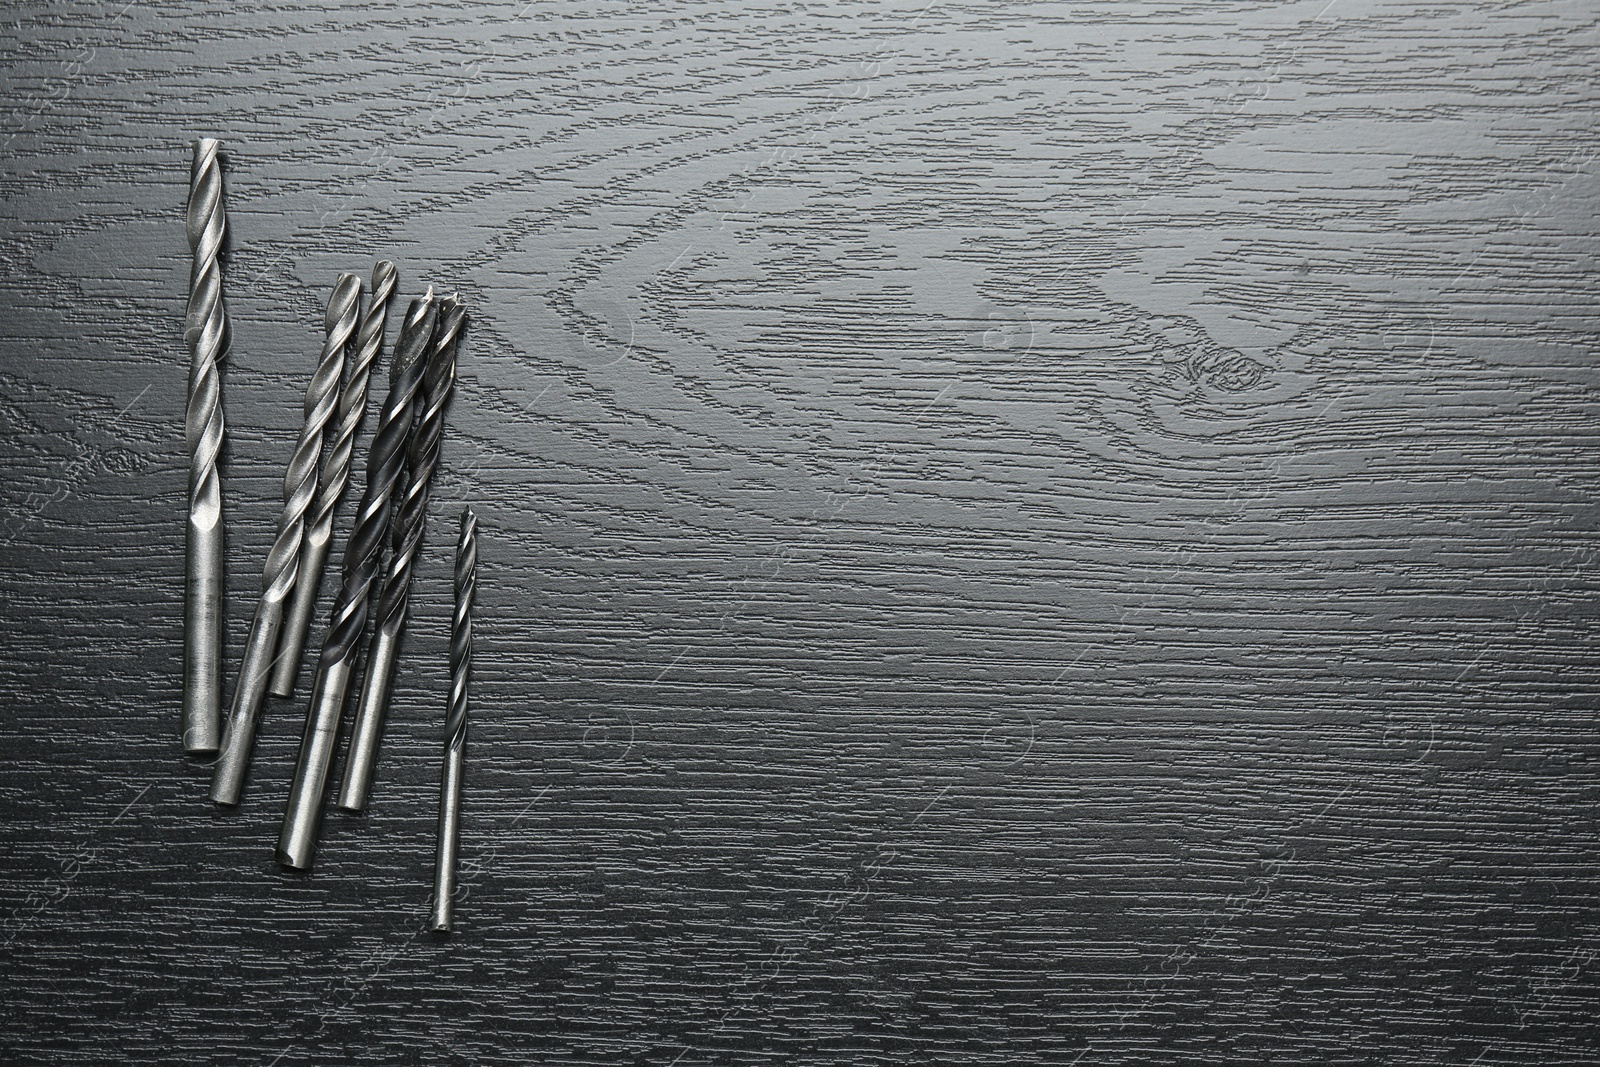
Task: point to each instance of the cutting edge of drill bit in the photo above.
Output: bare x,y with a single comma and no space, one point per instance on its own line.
405,357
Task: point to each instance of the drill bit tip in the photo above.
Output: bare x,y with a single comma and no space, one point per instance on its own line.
406,355
346,292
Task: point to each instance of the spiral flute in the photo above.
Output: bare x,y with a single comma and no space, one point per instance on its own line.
302,817
205,332
335,477
405,538
455,730
280,576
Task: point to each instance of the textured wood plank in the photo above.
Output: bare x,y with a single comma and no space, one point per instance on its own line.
1050,534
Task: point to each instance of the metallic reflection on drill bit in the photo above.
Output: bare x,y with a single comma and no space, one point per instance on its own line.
279,576
335,476
405,538
455,731
205,332
302,816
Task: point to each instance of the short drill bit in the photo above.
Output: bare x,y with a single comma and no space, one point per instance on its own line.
455,730
335,477
405,538
302,817
281,574
206,332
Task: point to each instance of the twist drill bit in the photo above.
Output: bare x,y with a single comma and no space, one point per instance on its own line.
405,538
302,816
205,332
455,731
335,477
281,573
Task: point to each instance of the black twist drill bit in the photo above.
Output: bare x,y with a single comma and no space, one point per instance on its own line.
335,477
281,574
455,730
205,332
405,538
303,815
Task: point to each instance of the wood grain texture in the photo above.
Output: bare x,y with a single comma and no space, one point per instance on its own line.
1012,534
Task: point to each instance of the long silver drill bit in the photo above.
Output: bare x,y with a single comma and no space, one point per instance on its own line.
455,730
335,477
302,817
405,538
205,332
280,575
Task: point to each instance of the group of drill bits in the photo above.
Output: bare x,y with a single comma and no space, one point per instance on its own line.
380,556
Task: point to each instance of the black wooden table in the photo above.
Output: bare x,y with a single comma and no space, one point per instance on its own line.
1012,534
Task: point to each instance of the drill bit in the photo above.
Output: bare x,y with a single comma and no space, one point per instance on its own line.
281,573
302,816
405,538
455,731
205,332
335,477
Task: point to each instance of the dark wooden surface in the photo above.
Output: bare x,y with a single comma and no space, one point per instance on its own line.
1013,534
